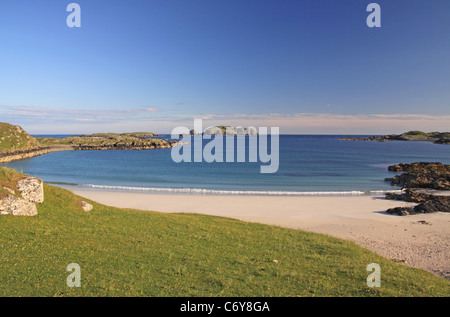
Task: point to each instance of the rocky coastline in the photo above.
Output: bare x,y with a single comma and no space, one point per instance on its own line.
382,138
425,183
6,157
88,147
88,142
434,137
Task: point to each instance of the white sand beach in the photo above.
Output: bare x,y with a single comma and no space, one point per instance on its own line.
421,241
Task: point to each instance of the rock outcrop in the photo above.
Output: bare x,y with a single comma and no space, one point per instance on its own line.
31,189
428,202
31,193
425,183
421,175
15,206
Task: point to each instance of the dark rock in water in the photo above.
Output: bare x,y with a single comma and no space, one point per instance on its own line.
421,175
419,166
417,181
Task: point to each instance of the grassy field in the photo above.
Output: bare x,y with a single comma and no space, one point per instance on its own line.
137,253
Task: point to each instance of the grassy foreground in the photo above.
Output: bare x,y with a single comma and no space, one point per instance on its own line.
137,253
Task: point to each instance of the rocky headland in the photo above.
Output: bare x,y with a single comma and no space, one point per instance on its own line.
425,183
435,137
108,141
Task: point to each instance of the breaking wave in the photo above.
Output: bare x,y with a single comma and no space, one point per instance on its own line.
238,192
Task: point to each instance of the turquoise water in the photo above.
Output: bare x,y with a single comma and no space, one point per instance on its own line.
309,165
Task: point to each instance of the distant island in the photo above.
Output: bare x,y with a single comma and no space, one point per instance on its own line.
16,143
435,137
226,130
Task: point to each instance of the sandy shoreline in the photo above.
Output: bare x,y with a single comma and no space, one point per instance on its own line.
421,241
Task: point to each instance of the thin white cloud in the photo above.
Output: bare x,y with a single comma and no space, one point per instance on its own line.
49,115
151,118
152,109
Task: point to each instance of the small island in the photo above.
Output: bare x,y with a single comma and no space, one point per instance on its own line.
435,137
226,130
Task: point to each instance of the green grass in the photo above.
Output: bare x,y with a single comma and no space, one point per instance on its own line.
136,253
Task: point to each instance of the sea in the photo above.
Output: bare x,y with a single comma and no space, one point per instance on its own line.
309,165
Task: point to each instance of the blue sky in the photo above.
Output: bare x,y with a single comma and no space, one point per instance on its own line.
306,66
